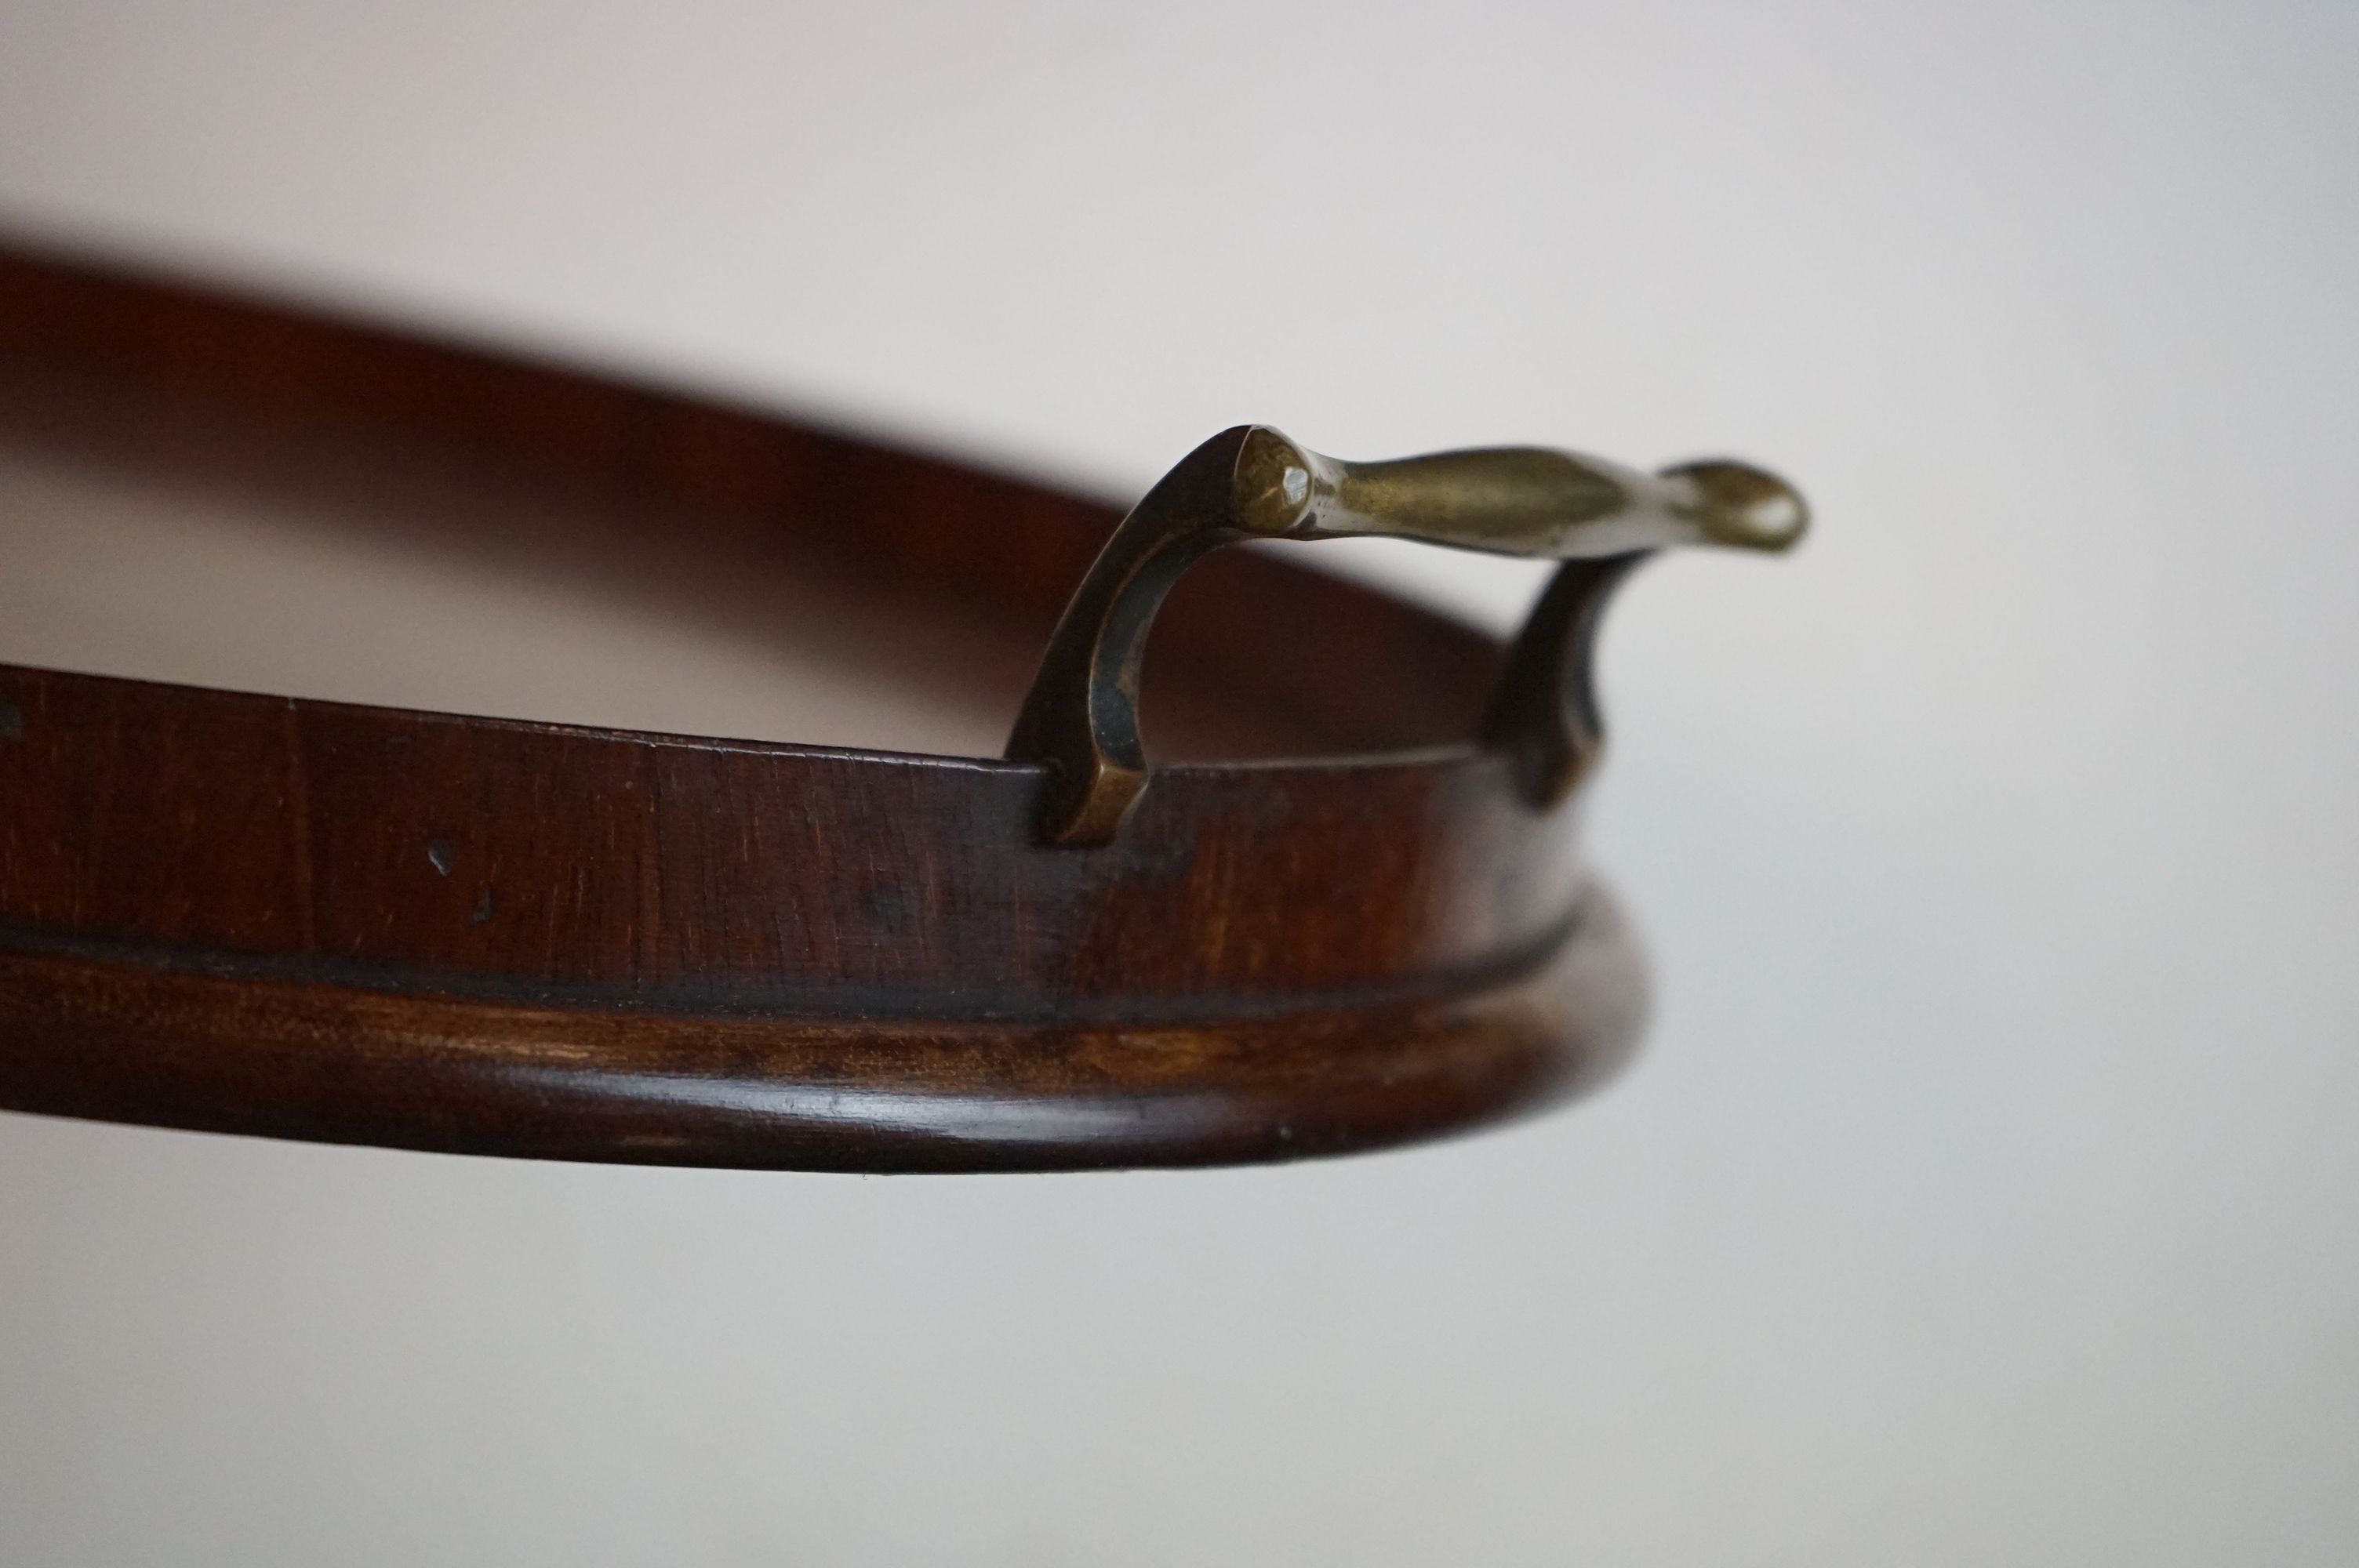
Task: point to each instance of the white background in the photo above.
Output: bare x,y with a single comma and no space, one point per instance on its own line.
1987,1191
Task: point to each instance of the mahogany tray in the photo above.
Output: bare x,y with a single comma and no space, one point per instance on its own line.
1342,908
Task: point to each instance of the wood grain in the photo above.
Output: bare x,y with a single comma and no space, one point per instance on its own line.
319,920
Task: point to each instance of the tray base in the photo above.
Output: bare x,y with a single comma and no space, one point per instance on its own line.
150,1043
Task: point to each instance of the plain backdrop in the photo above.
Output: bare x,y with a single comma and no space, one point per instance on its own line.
1987,1191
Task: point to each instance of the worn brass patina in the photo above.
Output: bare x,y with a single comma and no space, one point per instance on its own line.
1600,518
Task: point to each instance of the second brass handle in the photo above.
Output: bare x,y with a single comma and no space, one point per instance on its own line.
1080,716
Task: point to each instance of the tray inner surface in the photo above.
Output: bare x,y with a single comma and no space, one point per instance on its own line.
170,534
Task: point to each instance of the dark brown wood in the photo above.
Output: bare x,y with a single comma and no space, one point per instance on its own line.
307,919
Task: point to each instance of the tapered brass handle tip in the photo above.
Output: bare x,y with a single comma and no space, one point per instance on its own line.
1743,506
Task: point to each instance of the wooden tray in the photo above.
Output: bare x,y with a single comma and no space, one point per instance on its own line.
1344,908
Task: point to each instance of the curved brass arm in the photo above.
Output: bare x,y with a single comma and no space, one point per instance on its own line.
1081,716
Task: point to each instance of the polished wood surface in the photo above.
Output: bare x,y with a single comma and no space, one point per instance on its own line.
1344,923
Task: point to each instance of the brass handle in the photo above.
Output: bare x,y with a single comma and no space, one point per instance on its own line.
1081,716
